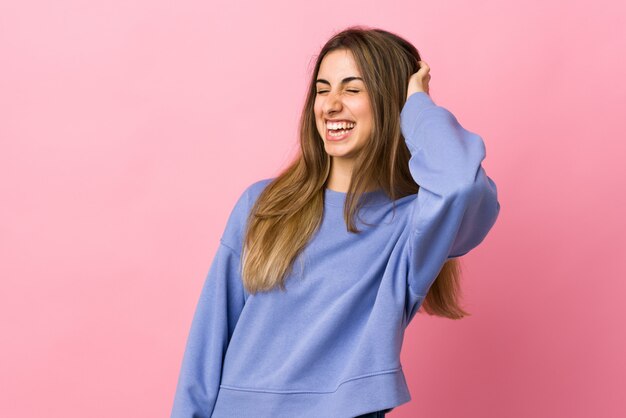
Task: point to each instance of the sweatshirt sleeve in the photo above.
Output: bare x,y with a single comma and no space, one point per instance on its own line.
457,202
221,300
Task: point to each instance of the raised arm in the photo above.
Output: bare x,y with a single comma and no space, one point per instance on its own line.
457,203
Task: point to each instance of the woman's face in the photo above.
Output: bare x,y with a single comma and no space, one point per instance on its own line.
342,98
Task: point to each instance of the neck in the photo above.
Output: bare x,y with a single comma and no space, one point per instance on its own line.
340,175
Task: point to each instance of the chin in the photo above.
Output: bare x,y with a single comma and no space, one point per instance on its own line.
349,154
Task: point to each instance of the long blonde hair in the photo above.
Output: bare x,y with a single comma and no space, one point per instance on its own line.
289,210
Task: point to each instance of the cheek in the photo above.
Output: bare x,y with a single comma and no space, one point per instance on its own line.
366,119
317,106
366,130
362,111
316,114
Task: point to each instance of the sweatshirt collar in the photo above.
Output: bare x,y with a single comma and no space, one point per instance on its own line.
373,198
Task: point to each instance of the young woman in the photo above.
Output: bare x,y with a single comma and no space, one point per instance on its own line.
320,270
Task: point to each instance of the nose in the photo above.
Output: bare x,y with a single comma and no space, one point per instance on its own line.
332,104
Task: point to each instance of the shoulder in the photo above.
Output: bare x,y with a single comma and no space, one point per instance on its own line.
255,189
250,194
235,226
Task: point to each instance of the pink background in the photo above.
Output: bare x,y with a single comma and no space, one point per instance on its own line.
129,128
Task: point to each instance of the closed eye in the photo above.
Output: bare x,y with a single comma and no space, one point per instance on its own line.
326,91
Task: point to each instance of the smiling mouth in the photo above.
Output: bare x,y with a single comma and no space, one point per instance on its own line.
338,134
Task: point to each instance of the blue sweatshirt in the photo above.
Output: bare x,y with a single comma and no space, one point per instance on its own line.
330,345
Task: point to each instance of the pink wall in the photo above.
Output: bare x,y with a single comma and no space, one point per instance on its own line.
129,128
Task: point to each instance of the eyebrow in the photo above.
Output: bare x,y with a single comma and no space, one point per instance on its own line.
344,81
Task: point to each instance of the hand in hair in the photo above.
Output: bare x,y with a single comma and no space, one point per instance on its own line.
419,80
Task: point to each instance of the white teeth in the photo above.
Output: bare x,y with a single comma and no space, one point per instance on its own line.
337,133
340,125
